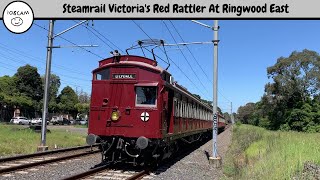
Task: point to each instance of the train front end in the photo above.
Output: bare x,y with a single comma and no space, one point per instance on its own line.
124,110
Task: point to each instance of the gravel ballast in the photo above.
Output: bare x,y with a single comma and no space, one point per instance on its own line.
57,170
196,164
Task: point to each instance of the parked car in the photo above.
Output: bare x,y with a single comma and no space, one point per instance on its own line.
36,121
20,120
55,120
61,121
80,122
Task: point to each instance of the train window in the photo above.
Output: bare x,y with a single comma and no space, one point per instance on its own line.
182,109
179,108
175,107
103,74
146,95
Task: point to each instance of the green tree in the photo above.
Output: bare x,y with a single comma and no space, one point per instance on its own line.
289,100
227,117
245,113
28,82
67,101
84,97
10,96
83,109
295,79
53,92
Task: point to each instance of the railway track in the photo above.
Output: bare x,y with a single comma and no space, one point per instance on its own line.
104,172
11,164
117,173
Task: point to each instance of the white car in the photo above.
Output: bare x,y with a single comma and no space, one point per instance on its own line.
20,120
36,121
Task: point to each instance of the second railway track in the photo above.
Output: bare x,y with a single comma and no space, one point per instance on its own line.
20,162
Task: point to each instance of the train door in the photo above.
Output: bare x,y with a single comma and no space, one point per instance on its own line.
164,114
99,100
170,115
97,109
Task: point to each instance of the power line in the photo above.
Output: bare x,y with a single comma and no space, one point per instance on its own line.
196,59
68,82
224,96
96,35
190,51
185,57
72,43
169,58
24,54
95,30
24,62
7,65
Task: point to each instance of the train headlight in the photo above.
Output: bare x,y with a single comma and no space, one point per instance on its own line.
115,115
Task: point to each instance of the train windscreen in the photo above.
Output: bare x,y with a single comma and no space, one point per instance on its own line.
146,96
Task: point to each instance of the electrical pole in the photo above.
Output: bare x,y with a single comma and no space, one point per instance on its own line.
50,46
43,146
215,157
232,117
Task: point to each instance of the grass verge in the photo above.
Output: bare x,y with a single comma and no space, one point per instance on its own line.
80,126
257,153
18,140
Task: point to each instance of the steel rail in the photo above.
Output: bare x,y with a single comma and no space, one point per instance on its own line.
11,158
87,173
139,175
91,172
28,165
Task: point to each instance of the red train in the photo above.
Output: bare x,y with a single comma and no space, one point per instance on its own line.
140,115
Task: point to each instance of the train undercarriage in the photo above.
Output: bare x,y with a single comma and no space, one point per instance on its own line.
143,151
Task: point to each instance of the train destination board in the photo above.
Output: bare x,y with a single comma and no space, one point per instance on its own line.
123,76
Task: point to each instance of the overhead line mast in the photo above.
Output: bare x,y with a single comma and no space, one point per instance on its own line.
51,37
215,158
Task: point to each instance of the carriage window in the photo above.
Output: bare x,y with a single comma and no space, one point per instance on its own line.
146,95
103,74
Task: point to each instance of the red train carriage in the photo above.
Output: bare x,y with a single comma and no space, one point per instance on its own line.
140,114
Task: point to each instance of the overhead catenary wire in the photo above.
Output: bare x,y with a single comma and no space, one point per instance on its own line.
26,55
20,61
24,62
169,58
104,37
72,43
185,57
196,59
69,82
89,30
174,27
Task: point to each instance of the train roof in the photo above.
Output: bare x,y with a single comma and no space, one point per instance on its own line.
131,60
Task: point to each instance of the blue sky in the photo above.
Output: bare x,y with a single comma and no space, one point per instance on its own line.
246,49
